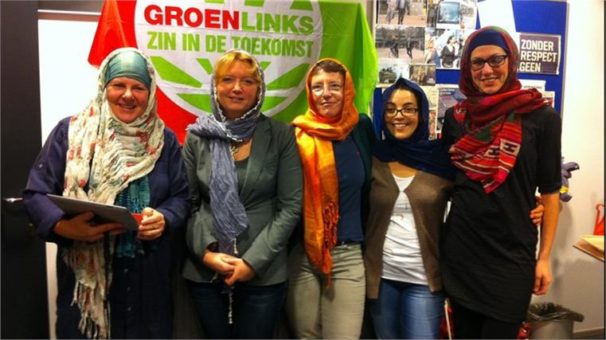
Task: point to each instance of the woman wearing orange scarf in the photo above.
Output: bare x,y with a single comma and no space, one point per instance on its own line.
326,283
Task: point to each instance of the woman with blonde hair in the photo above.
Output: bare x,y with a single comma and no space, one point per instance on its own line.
245,175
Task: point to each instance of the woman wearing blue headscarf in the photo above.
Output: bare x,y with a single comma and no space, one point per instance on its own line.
112,282
411,183
245,175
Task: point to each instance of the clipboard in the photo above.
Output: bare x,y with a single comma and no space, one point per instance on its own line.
104,213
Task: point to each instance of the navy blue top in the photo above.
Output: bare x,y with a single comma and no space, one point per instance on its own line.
350,171
140,294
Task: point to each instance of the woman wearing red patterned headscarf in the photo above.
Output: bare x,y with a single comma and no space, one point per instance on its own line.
506,145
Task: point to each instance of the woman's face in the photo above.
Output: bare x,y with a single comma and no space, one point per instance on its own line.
488,79
237,90
327,93
402,114
127,98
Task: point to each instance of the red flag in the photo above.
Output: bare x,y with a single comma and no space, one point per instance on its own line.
116,29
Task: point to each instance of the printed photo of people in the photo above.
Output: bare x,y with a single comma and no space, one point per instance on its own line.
432,96
423,74
402,12
448,96
406,43
451,14
391,69
445,47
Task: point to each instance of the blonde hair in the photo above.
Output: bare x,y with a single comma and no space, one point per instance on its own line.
225,62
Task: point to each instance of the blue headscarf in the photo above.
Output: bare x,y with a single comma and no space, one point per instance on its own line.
417,151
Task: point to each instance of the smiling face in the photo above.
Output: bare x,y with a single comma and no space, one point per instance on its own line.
127,98
488,79
401,124
237,89
327,92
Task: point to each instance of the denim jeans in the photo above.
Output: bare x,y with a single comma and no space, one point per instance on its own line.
255,309
406,311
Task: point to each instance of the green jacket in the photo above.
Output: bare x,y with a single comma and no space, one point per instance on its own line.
271,192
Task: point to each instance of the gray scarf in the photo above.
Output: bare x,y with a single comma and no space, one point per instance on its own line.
229,215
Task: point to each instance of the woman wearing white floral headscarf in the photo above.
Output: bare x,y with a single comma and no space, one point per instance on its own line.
112,282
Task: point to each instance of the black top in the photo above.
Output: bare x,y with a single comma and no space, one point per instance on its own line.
488,246
350,171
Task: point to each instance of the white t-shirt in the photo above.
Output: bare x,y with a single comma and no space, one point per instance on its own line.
402,259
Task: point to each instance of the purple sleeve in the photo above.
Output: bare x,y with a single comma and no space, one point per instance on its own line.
46,176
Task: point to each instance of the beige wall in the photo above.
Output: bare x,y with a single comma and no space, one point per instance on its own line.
579,279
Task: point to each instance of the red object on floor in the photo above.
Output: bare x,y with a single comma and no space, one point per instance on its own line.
599,220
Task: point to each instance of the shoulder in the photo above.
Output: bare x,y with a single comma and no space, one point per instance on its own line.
275,125
276,129
64,123
61,130
169,136
364,120
546,117
364,126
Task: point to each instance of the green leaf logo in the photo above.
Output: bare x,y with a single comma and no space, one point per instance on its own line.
183,39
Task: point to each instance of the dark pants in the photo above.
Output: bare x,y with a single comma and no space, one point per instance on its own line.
469,324
401,12
255,309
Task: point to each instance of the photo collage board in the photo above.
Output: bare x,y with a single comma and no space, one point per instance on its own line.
416,38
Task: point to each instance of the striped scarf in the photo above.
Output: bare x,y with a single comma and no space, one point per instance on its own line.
493,123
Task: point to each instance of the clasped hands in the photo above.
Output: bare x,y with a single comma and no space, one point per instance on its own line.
81,228
233,269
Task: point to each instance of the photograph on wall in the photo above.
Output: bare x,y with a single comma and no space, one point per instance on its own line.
402,12
538,84
452,14
448,14
469,10
399,42
550,95
448,96
423,74
391,69
446,46
432,96
431,55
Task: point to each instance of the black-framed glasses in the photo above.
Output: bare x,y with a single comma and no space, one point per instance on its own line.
409,111
493,61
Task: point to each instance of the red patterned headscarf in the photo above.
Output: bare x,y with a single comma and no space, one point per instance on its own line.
488,150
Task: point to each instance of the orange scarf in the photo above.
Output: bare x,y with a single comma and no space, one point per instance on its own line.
314,134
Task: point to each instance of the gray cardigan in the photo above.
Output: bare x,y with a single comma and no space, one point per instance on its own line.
271,192
428,195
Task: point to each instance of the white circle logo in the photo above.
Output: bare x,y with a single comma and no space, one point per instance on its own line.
183,38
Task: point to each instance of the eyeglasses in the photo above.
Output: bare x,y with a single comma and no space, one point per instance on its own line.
392,111
318,89
493,61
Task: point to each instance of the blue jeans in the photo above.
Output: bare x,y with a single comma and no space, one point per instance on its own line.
406,311
255,309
